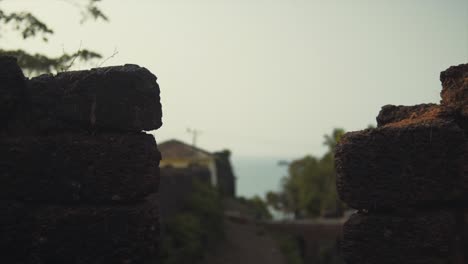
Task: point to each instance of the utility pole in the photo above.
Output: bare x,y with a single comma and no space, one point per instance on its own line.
195,133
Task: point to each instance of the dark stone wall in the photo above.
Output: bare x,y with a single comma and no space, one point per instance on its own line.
78,177
176,187
225,173
409,180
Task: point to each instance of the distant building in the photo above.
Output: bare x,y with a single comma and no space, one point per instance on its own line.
226,179
179,155
176,188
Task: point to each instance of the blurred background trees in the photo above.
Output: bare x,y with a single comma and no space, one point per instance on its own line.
309,190
28,26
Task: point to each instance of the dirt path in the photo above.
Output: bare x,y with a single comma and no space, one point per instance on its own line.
246,243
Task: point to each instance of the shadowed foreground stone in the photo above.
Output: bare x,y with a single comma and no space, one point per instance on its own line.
406,164
409,180
12,87
122,97
87,234
78,176
118,98
79,168
422,238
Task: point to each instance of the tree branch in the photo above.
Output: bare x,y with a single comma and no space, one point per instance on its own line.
39,63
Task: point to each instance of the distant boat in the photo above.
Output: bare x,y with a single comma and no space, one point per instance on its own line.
283,163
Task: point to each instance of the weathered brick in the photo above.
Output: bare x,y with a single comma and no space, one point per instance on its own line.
119,98
12,88
122,97
455,88
79,234
392,113
404,164
15,233
79,168
423,238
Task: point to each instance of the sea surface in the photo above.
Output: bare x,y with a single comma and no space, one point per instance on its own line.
257,176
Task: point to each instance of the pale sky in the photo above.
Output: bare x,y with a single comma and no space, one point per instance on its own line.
268,77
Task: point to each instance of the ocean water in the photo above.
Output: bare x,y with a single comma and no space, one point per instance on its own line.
257,176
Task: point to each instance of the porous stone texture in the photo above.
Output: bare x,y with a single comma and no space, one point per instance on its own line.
409,179
119,98
455,88
12,88
78,176
79,234
393,114
123,98
79,168
422,238
402,166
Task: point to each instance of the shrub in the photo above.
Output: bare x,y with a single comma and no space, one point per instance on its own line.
192,232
